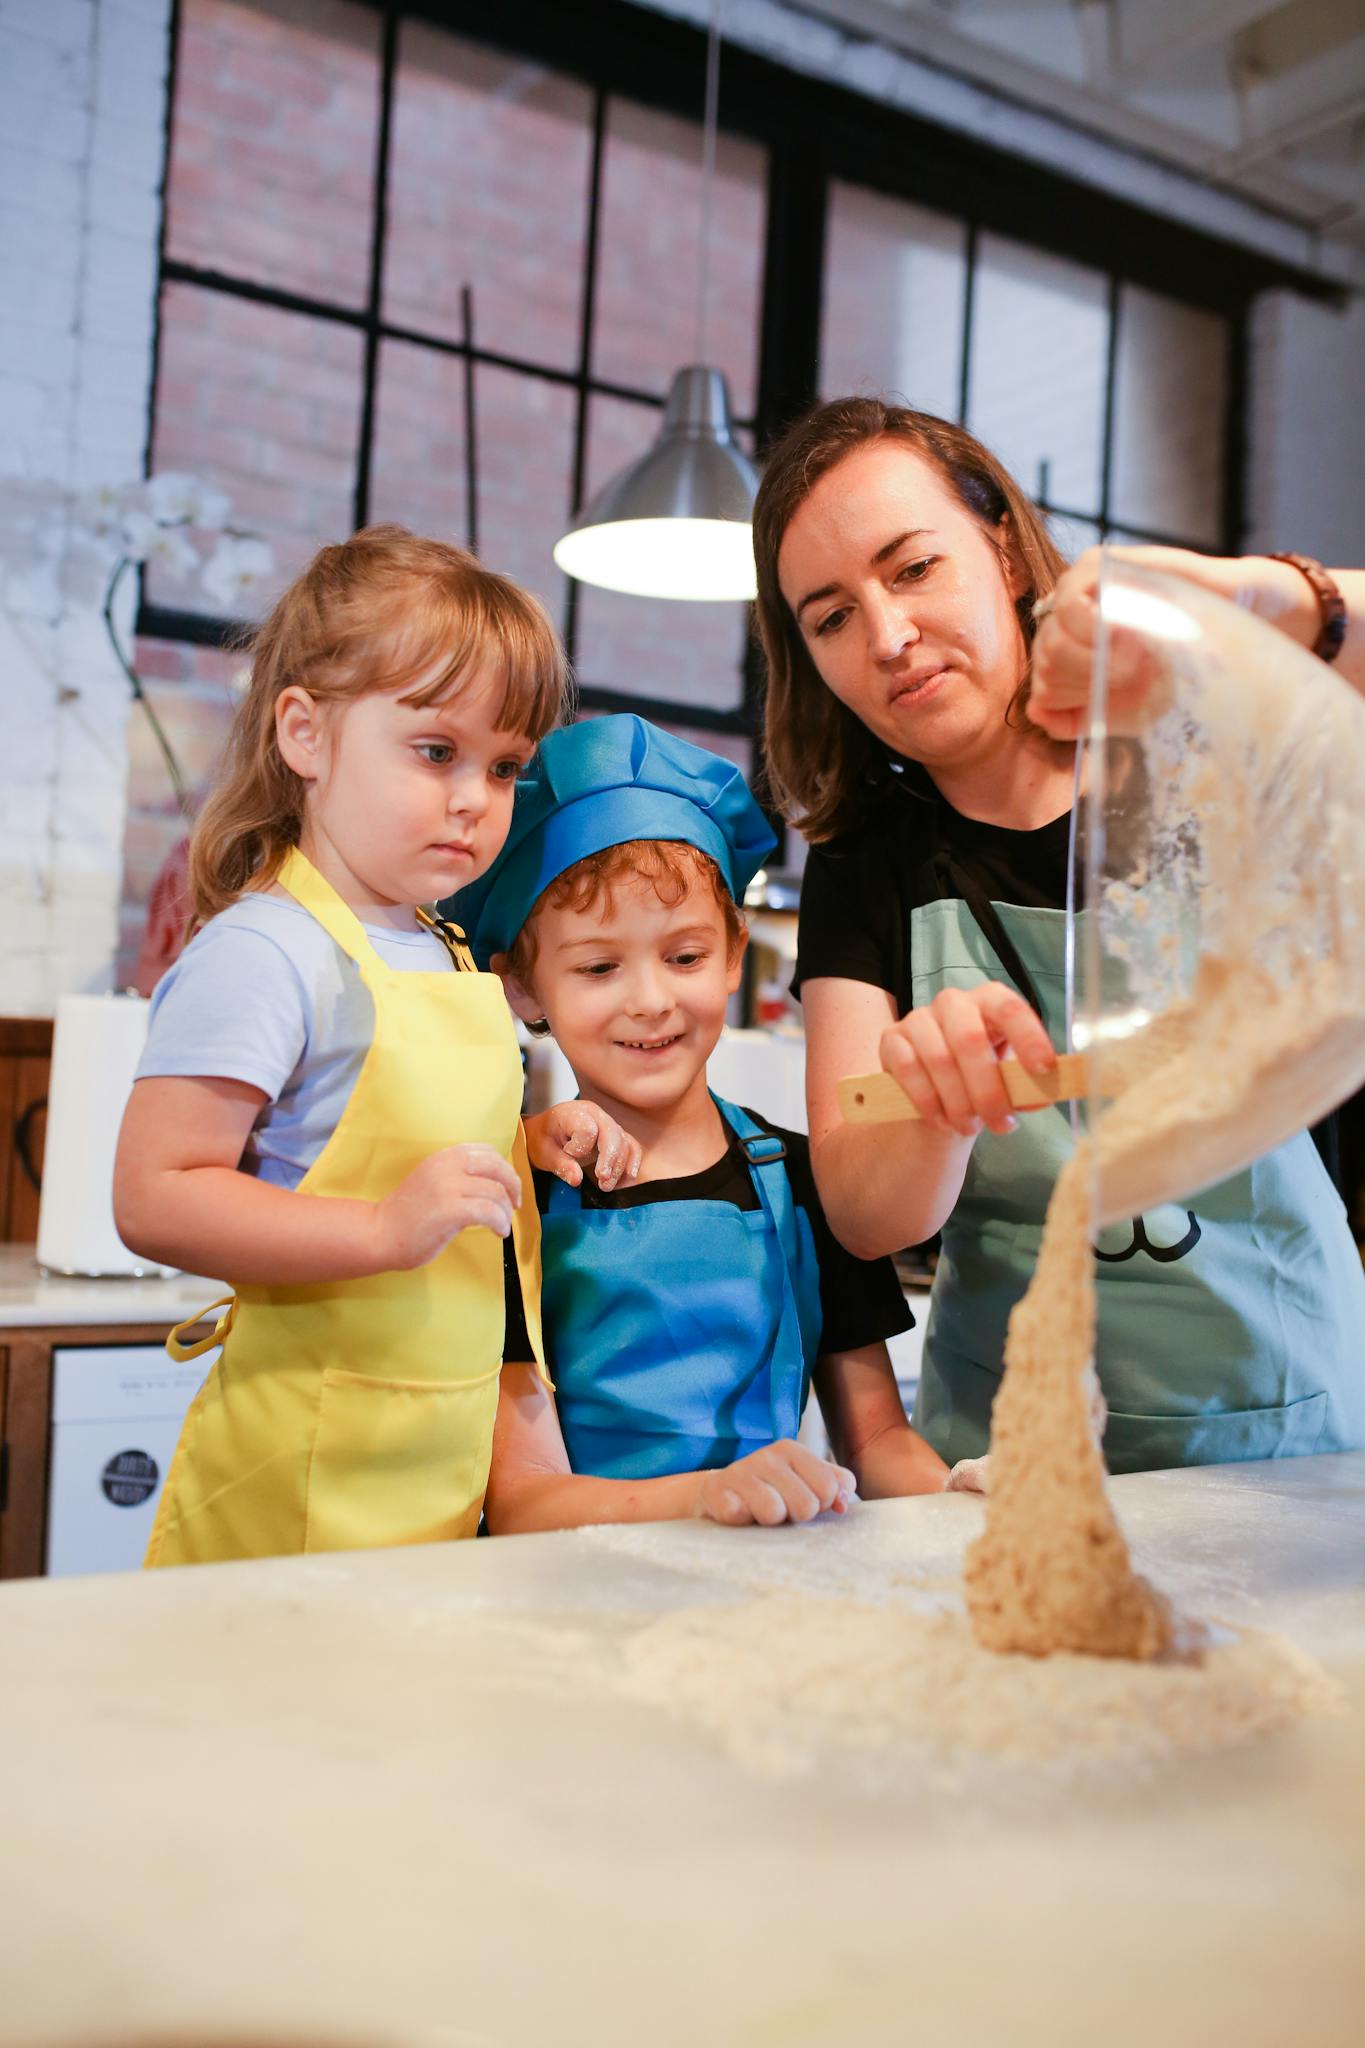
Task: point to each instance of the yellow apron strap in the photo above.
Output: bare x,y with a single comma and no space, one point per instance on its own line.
526,1244
181,1352
452,938
303,882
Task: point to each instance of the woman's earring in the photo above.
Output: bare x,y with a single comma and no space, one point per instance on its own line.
539,1027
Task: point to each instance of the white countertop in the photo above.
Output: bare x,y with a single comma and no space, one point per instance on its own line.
352,1800
30,1298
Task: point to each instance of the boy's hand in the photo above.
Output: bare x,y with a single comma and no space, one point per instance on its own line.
575,1136
784,1482
462,1187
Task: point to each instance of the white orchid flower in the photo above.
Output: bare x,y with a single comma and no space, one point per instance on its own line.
174,498
100,511
135,533
235,572
171,549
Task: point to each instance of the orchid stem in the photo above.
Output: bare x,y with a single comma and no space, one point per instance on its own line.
173,769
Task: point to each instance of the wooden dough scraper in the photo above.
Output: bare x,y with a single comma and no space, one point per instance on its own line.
878,1099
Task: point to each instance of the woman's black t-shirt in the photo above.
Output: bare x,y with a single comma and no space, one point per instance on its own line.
912,849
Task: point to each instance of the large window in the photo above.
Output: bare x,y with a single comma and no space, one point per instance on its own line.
436,262
1108,401
408,276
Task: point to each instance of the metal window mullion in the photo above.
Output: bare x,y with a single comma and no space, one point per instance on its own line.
471,422
370,368
168,124
587,316
1111,367
392,330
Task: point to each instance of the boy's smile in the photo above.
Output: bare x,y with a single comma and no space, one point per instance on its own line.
635,991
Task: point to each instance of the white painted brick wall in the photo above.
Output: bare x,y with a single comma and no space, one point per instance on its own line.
82,96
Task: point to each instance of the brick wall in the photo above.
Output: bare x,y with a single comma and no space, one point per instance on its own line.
81,114
274,162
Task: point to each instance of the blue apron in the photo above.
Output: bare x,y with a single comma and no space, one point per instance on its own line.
681,1335
1232,1327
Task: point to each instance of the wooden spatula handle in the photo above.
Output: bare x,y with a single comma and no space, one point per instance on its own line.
877,1099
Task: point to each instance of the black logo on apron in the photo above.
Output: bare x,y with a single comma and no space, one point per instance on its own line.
1164,1254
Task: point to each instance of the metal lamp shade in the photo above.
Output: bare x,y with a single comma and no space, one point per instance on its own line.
677,523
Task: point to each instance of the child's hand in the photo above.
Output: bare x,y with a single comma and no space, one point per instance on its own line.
784,1482
575,1136
462,1187
970,1475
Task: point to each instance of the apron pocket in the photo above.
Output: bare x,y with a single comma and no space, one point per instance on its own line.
398,1461
1147,1443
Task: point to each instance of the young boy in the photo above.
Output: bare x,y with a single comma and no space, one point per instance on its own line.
686,1314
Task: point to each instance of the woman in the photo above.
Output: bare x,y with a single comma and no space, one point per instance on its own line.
899,567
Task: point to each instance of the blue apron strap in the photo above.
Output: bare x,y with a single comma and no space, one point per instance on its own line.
766,1156
562,1199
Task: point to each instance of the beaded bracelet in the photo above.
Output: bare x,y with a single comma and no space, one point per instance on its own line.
1331,605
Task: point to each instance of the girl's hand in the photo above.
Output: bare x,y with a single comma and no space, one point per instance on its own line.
574,1136
463,1187
784,1482
946,1056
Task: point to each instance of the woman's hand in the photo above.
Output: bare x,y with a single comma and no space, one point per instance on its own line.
462,1187
575,1136
946,1056
1064,649
784,1482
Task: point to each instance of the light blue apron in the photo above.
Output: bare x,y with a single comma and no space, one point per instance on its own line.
681,1335
1230,1328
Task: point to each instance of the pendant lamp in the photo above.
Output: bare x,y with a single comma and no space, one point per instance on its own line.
678,523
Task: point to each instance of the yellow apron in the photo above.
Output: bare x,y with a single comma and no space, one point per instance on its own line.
358,1413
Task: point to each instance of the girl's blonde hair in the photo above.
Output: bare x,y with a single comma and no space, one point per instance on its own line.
820,757
383,608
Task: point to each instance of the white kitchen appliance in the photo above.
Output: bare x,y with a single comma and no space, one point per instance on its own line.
96,1044
116,1416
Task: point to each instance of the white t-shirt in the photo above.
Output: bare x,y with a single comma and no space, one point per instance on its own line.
264,995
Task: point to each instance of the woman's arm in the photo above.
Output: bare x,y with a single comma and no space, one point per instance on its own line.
531,1485
1275,591
180,1198
884,1186
868,1430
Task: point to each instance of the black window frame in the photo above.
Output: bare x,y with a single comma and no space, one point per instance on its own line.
814,133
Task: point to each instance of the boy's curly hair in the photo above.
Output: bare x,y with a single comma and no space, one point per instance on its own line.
670,866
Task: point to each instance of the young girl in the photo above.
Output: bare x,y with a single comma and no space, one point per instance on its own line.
331,1093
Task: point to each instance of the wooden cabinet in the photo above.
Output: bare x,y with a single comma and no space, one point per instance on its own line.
25,1061
26,1428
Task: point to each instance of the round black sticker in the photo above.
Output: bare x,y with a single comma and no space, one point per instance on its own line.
129,1478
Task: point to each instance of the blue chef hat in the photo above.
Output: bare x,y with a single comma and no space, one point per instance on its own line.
597,785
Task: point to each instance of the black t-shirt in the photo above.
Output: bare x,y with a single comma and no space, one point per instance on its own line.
860,1299
914,848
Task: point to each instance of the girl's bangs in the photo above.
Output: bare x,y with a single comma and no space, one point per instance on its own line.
497,633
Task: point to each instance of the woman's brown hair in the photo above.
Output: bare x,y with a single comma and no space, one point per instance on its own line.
820,756
372,613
